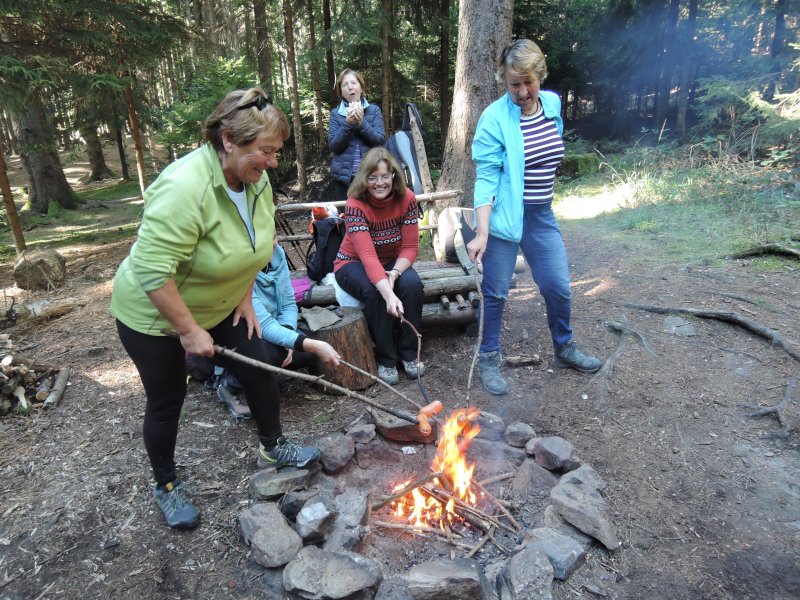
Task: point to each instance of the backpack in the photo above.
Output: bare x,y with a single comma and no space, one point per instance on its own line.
401,146
328,234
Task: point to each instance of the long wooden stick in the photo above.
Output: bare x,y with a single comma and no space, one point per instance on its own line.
421,531
313,379
414,484
58,388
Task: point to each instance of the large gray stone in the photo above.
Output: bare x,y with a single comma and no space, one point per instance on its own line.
584,475
564,553
552,520
492,427
585,508
254,518
276,543
293,502
460,579
317,574
518,434
527,576
40,270
336,451
550,452
394,588
351,524
269,484
314,522
362,433
531,480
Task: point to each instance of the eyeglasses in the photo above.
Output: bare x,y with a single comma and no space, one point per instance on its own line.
380,178
260,103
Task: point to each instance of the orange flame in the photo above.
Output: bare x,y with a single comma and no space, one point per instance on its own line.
423,510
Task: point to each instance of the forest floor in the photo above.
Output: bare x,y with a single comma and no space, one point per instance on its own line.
705,498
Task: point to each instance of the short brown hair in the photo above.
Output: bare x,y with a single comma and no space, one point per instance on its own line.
245,123
344,74
369,164
521,56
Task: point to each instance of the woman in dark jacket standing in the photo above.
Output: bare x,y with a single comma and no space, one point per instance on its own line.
355,127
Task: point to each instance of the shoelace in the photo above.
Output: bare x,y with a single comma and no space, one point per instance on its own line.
288,451
177,498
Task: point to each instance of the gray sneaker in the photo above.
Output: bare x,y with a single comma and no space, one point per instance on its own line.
489,373
236,403
287,454
570,356
388,375
414,369
178,511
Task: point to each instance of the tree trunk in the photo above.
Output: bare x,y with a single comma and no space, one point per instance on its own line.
137,137
484,28
47,178
385,65
776,49
444,68
326,28
687,51
12,146
94,149
263,47
667,65
11,208
297,122
315,77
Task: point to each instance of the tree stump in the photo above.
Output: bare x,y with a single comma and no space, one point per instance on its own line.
352,341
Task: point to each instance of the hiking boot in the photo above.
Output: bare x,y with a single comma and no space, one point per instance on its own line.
489,373
570,356
213,382
414,369
287,454
179,512
236,403
388,375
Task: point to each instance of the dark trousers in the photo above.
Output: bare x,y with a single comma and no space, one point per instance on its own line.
340,189
161,364
277,354
352,278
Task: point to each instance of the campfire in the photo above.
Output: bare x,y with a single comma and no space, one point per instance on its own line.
446,496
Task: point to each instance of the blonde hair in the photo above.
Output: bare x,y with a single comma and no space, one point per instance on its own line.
521,56
245,114
359,188
344,74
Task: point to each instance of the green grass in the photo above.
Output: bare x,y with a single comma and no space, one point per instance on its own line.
658,203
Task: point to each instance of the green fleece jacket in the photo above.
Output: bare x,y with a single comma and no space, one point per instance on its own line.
192,232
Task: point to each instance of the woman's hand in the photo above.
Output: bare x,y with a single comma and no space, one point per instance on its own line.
197,341
245,309
394,307
323,351
392,276
355,114
288,360
477,247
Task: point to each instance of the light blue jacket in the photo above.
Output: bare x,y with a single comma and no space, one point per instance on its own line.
273,301
498,152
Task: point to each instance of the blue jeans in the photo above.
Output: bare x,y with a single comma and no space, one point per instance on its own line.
544,251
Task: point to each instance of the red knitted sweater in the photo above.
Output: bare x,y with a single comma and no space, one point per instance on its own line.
378,232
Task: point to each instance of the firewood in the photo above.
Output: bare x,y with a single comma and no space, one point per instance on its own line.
43,389
43,311
58,388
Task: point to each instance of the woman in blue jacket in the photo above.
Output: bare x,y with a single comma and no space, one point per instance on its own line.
355,127
517,148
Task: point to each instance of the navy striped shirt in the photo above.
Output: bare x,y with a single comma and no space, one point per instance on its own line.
544,150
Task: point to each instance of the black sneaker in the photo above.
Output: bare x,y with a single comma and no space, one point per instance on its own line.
179,512
569,356
287,454
236,403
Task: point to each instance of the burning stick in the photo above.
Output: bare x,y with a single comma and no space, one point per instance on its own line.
422,531
497,503
414,484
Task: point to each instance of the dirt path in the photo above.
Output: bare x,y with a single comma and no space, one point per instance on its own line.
707,505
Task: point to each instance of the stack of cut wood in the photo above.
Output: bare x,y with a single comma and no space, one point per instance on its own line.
26,384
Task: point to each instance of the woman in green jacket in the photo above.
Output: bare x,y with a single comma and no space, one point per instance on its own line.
207,230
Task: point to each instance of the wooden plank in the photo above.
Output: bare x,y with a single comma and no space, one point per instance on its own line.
422,156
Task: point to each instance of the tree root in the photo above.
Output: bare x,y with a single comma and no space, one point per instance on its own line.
770,335
773,248
607,370
777,410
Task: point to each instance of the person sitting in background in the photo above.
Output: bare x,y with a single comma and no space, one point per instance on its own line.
374,262
276,310
355,127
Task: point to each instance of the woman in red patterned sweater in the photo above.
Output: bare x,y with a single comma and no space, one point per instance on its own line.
374,263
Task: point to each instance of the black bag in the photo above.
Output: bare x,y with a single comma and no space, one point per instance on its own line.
328,234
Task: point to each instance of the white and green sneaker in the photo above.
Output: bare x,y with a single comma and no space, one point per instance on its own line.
287,454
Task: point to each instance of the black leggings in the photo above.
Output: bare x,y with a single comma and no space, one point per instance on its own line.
161,362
